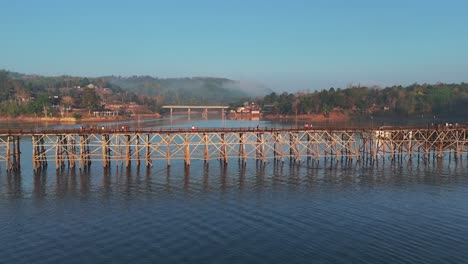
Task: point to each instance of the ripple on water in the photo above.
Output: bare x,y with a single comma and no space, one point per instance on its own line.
273,213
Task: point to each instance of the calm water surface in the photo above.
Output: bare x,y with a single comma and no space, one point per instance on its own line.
273,213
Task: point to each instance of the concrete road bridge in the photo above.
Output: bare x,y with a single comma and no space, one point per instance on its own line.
205,109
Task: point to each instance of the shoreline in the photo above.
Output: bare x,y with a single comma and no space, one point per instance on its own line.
71,120
332,117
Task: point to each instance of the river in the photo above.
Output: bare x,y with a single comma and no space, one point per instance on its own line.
259,213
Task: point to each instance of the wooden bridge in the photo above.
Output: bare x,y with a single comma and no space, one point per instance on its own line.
81,147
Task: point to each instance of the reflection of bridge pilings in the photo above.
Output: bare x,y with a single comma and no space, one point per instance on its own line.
14,188
225,179
40,184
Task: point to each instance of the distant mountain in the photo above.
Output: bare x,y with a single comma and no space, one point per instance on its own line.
197,90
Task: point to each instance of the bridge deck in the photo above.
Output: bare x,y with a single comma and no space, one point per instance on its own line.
172,130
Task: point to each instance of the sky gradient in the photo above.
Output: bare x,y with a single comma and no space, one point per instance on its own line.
285,45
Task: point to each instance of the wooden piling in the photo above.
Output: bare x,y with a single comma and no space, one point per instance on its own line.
205,147
187,150
128,151
138,149
104,150
168,150
148,151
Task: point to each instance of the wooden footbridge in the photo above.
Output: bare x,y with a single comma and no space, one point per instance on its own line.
81,147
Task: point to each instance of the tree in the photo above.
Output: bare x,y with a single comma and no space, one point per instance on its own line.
67,100
90,99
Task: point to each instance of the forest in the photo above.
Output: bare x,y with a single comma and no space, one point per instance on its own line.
437,99
35,95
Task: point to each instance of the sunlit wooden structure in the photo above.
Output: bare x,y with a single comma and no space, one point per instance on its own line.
143,147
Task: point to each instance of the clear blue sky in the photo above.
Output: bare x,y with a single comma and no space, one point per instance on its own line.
286,45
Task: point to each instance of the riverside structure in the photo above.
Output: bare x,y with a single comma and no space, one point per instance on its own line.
81,147
203,107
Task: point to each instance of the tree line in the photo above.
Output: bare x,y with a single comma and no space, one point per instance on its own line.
438,99
36,95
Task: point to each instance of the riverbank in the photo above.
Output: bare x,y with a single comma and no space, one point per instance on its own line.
92,119
332,117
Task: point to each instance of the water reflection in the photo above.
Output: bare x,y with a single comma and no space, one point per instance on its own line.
13,185
238,177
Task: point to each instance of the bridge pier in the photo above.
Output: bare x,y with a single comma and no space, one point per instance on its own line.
171,116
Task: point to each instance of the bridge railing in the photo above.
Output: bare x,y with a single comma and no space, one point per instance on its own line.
165,130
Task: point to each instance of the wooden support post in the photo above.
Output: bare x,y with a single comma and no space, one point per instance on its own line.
57,151
221,147
148,150
224,148
262,147
275,151
441,147
128,151
205,147
18,155
8,154
291,145
108,141
82,151
63,150
409,137
104,150
281,146
34,153
138,149
187,150
297,152
257,146
43,156
87,151
72,150
242,151
168,150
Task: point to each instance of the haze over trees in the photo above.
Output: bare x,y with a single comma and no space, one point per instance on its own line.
190,91
36,95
